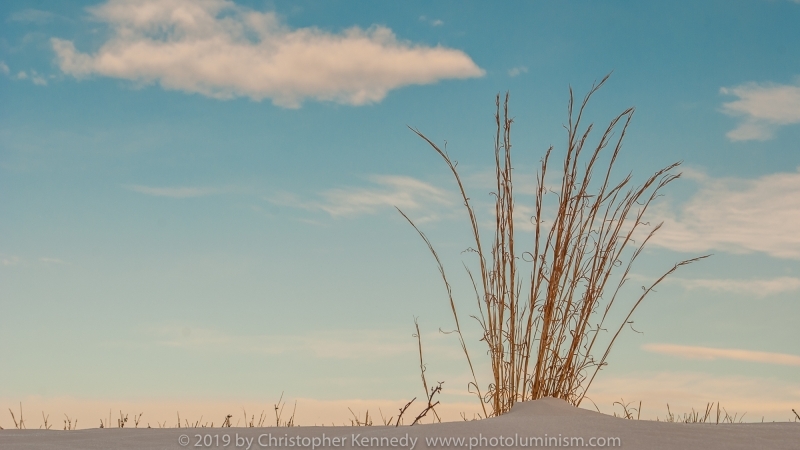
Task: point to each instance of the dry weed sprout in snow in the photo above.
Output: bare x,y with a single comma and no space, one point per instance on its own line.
69,424
628,410
692,417
542,340
430,407
695,417
21,424
279,413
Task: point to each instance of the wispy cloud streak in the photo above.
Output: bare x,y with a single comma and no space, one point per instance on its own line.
759,288
173,192
762,107
710,353
387,191
401,191
737,215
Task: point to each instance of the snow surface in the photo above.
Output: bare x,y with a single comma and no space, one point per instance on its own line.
545,418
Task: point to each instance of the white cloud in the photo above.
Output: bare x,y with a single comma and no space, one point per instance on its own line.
709,353
406,193
763,108
221,50
174,192
517,71
758,288
21,75
4,68
737,215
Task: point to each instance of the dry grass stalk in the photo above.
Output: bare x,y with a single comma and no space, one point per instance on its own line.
357,422
541,341
386,423
279,413
262,418
431,404
123,420
252,424
21,424
46,425
627,410
227,422
475,416
69,425
402,411
434,390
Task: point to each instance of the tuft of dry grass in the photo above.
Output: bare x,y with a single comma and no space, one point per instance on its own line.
541,341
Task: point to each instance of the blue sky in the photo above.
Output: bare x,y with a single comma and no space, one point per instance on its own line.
196,198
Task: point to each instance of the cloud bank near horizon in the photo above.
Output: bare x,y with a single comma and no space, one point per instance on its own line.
221,50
